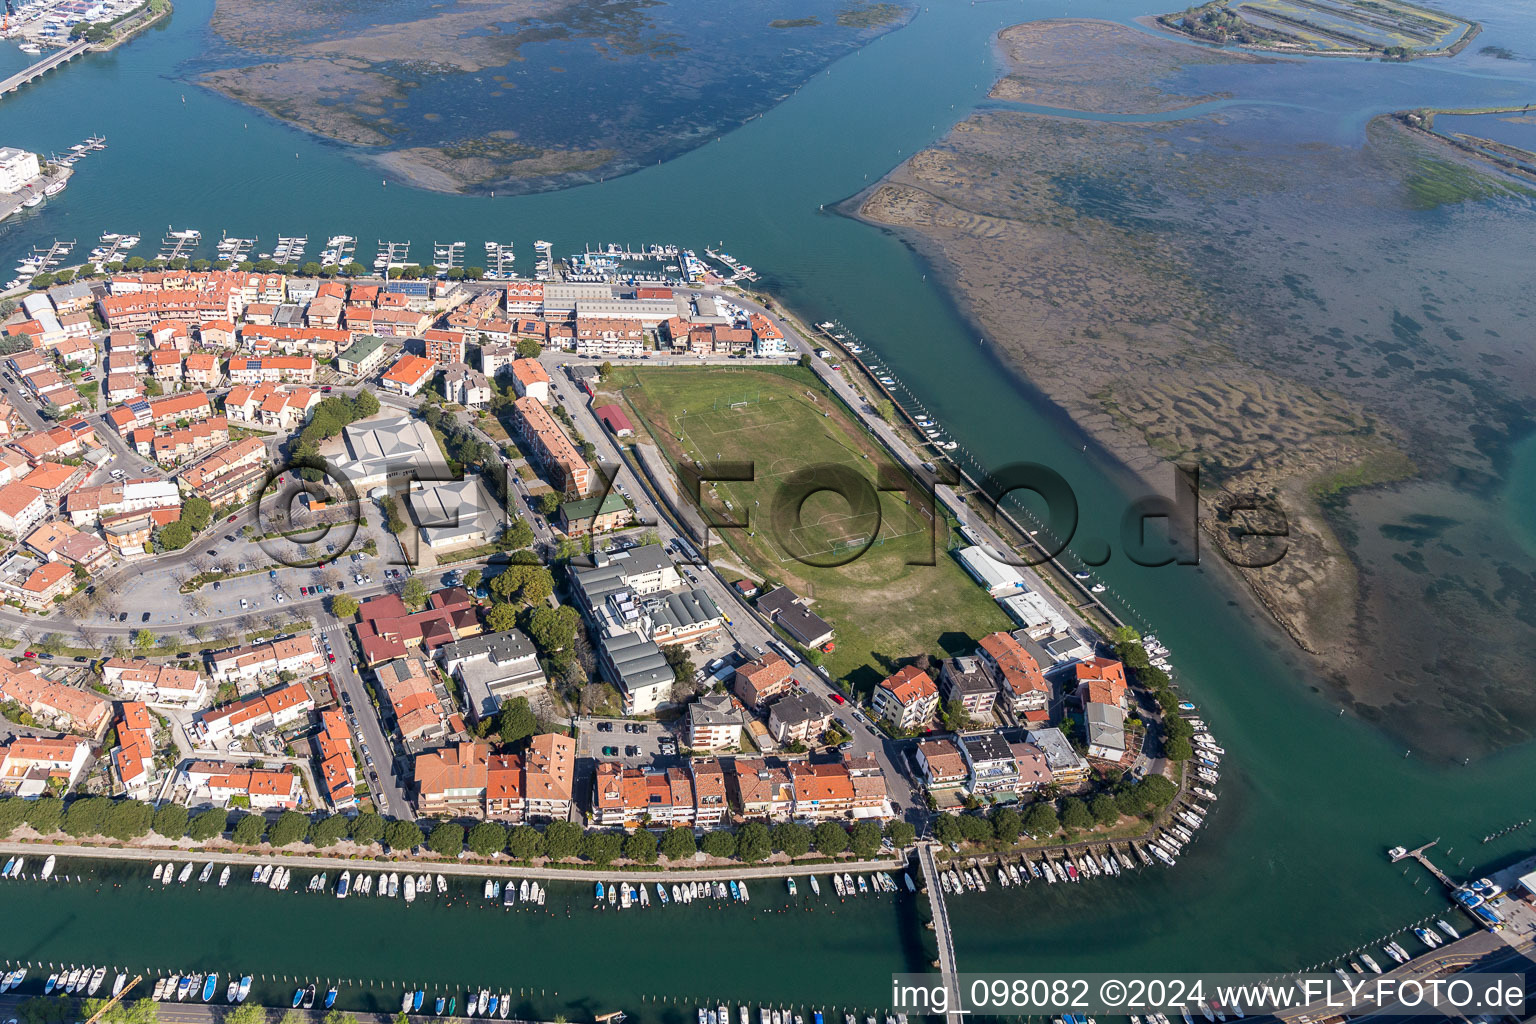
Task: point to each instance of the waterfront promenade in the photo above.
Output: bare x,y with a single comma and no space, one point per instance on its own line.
365,862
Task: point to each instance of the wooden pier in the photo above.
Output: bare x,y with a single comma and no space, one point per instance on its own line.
42,67
1421,856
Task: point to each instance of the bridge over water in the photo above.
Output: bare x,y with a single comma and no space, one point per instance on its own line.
42,67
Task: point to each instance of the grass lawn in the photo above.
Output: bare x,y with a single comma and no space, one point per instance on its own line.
874,563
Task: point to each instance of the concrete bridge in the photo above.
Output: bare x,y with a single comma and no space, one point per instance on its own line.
941,929
43,66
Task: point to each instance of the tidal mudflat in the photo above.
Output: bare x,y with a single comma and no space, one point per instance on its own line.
1307,320
526,95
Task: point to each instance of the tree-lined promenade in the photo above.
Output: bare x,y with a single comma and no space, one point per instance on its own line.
104,827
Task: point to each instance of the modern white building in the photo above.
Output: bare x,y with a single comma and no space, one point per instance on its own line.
17,167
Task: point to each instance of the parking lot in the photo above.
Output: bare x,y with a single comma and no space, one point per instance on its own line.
630,743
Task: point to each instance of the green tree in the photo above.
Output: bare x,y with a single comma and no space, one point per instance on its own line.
329,831
1158,790
516,721
171,821
86,816
487,838
1177,748
197,513
864,839
901,833
678,844
174,536
143,640
547,503
527,348
525,842
128,819
140,1011
249,829
753,842
831,838
519,534
562,840
792,839
1075,815
289,828
640,846
45,815
343,606
246,1013
472,579
1104,809
553,629
367,828
1131,801
720,843
601,848
402,835
946,829
1006,824
414,593
13,811
208,824
447,839
1041,821
501,617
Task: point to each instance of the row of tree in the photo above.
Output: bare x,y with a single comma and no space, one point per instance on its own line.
1177,733
127,820
1047,818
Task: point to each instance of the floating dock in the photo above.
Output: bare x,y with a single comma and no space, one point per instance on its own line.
339,251
447,256
500,265
179,244
391,255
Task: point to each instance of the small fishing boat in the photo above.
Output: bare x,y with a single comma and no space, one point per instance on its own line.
815,886
210,985
309,997
5,872
746,894
416,999
789,883
205,874
490,1010
48,866
506,1006
245,989
186,873
406,999
735,892
232,992
437,1007
677,893
330,997
486,890
224,877
523,891
159,989
49,985
599,892
410,888
185,985
863,886
298,997
99,976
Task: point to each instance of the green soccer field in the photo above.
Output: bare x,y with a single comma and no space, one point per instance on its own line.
874,562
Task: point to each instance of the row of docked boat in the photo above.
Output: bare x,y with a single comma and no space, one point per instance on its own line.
483,1003
510,893
181,987
16,868
765,1015
1395,951
86,981
848,884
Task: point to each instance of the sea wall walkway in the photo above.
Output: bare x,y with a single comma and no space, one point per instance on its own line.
472,869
